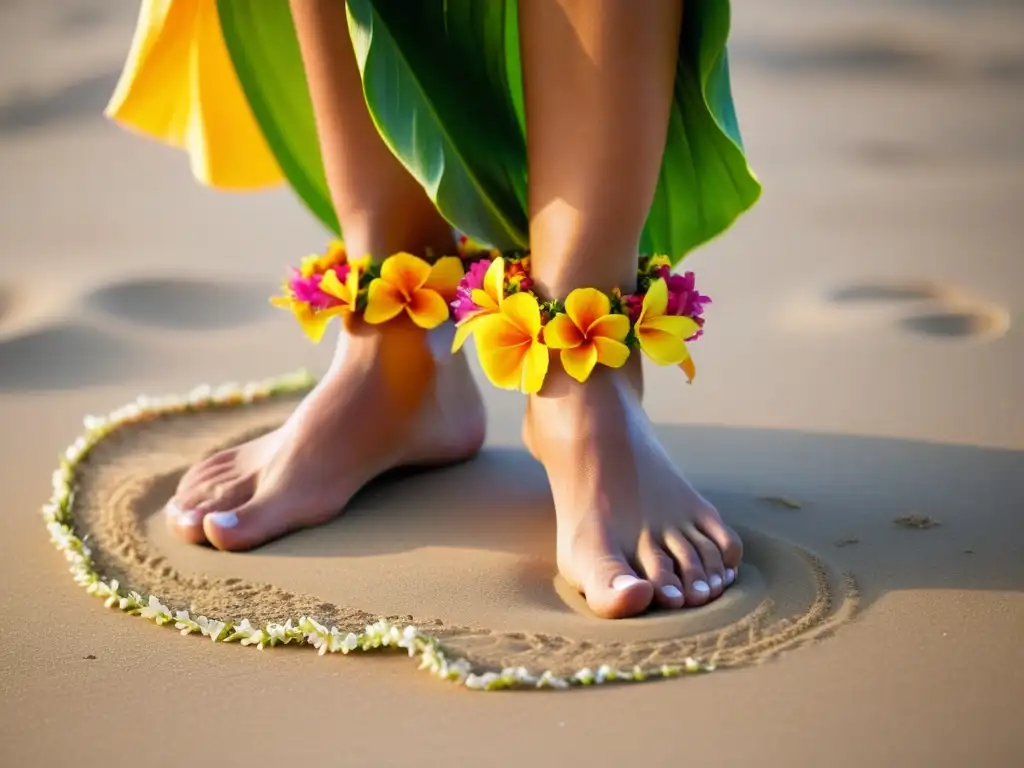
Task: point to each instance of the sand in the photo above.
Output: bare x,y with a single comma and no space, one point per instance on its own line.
863,363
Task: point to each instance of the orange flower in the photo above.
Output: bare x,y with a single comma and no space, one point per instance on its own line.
408,283
508,343
663,337
588,334
487,298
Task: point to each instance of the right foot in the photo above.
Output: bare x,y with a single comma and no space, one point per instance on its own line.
385,403
631,531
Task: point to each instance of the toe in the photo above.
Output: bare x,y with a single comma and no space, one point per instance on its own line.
689,565
614,590
186,524
202,471
710,558
228,494
725,538
253,523
658,567
189,497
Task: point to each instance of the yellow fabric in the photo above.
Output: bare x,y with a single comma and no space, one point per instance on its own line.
179,87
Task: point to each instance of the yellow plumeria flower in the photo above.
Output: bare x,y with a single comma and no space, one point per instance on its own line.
508,343
588,334
408,283
663,337
488,299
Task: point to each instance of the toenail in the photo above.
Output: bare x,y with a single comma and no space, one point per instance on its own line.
190,517
624,581
730,576
702,587
172,509
715,580
672,593
223,519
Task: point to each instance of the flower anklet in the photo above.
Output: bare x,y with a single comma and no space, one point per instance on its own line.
515,330
490,297
334,284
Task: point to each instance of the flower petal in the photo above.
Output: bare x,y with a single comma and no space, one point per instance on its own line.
580,361
504,367
689,369
663,348
494,280
523,310
502,348
406,272
677,325
332,286
561,333
655,300
585,305
483,300
465,329
427,308
535,369
610,352
610,327
313,323
445,276
383,302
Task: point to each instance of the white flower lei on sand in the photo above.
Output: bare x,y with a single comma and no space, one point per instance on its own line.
382,634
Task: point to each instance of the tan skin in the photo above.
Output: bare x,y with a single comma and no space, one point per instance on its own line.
632,532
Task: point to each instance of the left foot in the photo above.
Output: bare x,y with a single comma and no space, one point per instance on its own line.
632,531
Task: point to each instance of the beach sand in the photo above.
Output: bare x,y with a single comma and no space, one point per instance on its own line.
858,415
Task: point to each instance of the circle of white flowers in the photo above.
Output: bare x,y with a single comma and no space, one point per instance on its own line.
58,513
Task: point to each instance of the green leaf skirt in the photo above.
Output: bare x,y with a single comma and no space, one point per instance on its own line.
443,83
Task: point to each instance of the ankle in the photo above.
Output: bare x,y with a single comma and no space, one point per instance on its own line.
561,264
381,232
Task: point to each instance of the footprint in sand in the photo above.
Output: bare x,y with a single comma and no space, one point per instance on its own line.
66,356
184,304
926,309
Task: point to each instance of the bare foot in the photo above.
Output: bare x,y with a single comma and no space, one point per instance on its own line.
386,402
631,529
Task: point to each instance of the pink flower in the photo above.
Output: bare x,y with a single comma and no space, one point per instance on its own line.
307,289
683,297
633,303
473,279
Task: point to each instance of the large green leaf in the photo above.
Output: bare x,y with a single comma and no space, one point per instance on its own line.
705,182
261,39
436,80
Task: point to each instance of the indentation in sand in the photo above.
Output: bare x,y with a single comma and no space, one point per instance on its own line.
888,292
182,304
67,355
466,551
956,325
84,98
852,54
6,301
922,307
